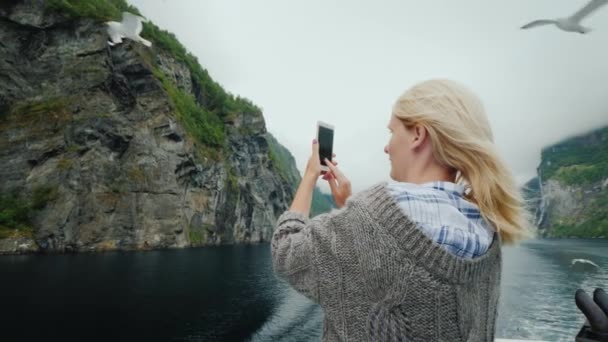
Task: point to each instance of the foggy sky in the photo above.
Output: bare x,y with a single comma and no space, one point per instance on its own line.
346,62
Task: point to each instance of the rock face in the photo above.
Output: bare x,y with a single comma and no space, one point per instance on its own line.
570,194
89,134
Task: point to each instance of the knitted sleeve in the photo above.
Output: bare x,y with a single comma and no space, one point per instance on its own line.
296,245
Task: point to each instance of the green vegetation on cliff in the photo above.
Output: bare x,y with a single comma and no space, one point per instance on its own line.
217,99
13,216
578,160
203,121
283,161
581,164
582,174
16,211
202,124
595,225
102,10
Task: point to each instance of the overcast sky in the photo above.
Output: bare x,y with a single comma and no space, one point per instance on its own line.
345,62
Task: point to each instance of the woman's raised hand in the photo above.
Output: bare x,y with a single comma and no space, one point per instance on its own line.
339,184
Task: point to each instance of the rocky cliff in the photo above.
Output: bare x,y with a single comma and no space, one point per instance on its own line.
570,194
123,147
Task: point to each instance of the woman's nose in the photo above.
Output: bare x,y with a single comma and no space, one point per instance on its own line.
386,149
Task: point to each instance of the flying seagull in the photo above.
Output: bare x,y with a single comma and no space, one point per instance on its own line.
130,27
573,22
583,261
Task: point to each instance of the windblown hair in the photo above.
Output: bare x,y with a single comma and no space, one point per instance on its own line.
462,140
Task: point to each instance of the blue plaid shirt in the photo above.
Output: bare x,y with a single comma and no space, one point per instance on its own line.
442,213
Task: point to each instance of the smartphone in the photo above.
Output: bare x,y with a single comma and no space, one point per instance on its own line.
325,137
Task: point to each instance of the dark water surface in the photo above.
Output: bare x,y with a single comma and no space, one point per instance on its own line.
229,293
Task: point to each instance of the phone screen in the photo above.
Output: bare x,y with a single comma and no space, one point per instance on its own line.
326,142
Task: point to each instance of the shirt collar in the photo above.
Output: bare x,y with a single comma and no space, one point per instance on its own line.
453,188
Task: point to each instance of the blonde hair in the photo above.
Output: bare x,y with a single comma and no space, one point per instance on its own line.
462,140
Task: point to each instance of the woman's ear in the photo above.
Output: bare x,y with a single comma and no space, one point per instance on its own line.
419,136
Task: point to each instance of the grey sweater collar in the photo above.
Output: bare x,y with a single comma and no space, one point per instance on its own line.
420,248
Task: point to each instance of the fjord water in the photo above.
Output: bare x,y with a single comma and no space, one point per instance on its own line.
229,293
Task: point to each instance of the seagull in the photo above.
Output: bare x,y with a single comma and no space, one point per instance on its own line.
573,22
130,27
583,261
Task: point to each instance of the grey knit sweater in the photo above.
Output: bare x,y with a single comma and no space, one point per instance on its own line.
379,278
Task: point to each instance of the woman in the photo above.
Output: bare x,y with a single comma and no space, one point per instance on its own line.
417,258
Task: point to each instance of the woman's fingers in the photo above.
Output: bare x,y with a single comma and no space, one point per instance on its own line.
333,185
336,171
333,160
315,147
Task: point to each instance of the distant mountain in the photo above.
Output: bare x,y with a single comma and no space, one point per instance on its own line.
286,165
570,194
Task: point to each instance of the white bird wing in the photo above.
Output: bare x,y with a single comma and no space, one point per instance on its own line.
538,23
114,34
585,11
584,261
132,23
